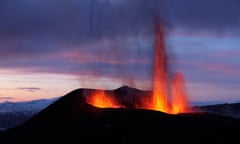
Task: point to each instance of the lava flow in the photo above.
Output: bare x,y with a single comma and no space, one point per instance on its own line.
168,94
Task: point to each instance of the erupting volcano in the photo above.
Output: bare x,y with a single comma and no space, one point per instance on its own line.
127,115
168,93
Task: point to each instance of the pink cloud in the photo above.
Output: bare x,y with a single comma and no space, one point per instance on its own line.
87,57
225,54
228,69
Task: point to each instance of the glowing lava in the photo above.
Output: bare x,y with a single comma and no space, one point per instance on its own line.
167,97
160,76
168,94
102,100
179,100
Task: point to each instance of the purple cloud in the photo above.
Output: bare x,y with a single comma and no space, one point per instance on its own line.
30,89
5,98
209,15
56,36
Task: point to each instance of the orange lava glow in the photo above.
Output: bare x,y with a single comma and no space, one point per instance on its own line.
102,100
160,76
179,100
168,93
167,97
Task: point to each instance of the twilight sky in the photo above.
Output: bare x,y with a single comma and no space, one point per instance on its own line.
51,47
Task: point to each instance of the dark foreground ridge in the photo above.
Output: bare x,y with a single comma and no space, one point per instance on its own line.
70,119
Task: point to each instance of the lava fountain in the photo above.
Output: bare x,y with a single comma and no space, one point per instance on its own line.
168,93
169,97
160,75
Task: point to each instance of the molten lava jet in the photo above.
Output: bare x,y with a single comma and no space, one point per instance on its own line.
168,93
167,97
179,100
160,76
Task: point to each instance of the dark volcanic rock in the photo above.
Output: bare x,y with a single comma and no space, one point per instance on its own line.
71,120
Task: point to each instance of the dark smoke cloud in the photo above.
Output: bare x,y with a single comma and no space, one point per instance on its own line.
75,20
37,35
98,37
39,27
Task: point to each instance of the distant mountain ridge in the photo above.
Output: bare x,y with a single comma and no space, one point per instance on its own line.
225,109
25,106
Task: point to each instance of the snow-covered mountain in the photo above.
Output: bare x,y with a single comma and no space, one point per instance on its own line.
14,113
27,107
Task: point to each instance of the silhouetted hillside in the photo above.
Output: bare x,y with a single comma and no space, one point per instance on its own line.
70,119
226,109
